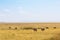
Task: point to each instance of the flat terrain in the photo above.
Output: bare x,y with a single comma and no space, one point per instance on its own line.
23,25
50,34
19,34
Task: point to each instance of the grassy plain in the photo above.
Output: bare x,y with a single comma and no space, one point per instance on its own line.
33,25
47,34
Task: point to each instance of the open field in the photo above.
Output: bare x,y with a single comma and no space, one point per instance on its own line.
23,25
20,34
50,34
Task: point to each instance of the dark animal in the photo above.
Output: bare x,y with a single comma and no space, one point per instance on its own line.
47,27
9,27
34,29
54,27
15,27
42,29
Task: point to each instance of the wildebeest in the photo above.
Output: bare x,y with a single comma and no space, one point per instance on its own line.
54,27
42,29
9,27
15,27
47,27
35,29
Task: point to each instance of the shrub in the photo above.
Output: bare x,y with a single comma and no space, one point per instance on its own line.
39,28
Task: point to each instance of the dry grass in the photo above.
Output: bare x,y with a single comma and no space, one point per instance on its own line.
22,25
49,34
19,34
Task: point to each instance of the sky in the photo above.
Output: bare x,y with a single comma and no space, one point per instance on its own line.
29,10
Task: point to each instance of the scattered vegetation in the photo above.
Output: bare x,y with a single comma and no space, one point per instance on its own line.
38,28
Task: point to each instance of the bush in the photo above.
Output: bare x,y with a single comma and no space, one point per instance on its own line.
38,28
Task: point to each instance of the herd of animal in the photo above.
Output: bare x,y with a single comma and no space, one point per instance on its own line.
35,29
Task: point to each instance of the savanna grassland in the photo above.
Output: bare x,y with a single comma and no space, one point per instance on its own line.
17,31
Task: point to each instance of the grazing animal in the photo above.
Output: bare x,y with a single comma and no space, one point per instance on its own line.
15,27
42,29
35,29
47,27
9,27
54,27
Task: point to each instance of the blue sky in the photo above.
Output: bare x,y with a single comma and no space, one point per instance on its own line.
29,10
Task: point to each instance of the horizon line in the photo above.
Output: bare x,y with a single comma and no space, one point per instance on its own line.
29,22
